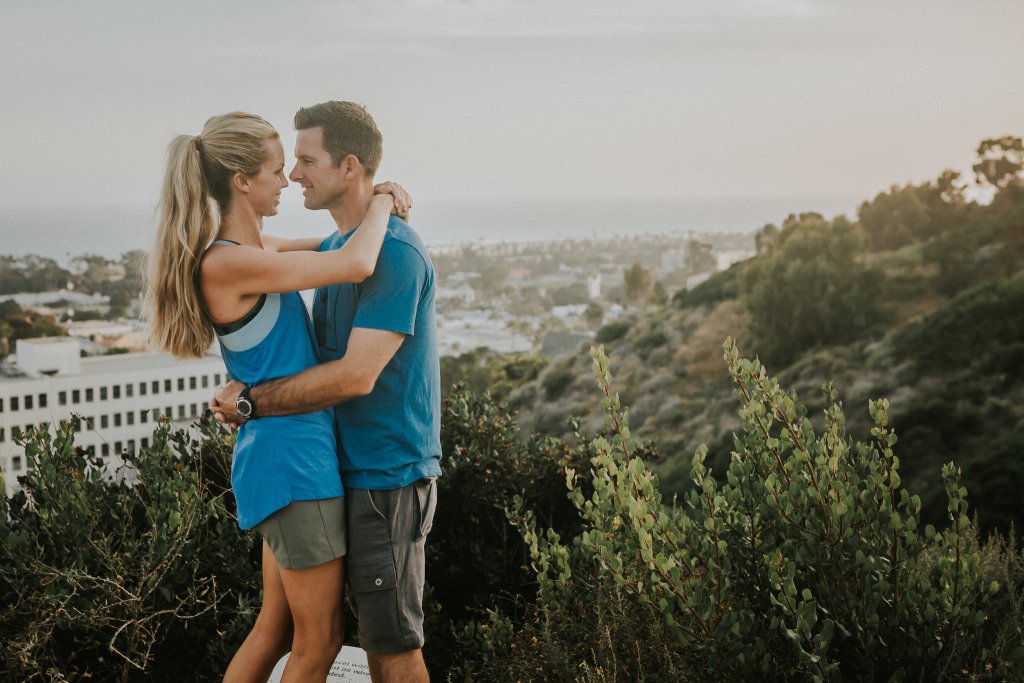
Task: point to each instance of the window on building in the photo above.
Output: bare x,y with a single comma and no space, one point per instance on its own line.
28,402
117,446
129,417
143,416
16,463
142,388
76,396
15,431
167,385
78,426
91,450
104,421
89,395
117,419
131,445
3,435
14,404
216,378
155,386
191,382
1,405
62,398
169,412
145,442
181,384
105,449
129,390
206,381
117,391
42,400
195,410
103,393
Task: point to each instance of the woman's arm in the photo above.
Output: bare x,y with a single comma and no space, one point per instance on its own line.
280,244
403,203
247,270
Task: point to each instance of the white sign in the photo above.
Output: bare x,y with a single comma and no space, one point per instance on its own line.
350,667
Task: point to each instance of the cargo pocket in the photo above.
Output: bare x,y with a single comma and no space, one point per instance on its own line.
374,587
376,576
426,499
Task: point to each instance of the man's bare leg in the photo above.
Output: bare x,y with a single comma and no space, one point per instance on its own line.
401,667
271,635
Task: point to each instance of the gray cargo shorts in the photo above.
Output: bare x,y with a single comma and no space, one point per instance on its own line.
385,564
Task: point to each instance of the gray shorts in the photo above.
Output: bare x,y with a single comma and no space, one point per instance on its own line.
385,563
306,533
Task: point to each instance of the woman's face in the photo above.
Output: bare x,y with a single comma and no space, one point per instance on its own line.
265,186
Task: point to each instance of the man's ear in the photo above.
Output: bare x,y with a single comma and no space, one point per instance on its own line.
241,182
351,166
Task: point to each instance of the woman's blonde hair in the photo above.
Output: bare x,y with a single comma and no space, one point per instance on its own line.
199,168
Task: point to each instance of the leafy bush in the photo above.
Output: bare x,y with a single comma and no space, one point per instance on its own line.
807,562
557,381
649,341
475,559
116,579
975,324
721,286
613,331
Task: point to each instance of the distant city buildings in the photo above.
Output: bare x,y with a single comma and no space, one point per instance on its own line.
119,397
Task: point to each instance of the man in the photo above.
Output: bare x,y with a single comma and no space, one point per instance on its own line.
380,371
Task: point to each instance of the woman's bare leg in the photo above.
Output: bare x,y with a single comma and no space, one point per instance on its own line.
314,598
271,635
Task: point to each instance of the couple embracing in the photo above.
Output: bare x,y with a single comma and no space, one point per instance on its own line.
338,444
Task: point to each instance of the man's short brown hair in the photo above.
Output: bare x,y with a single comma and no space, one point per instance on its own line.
348,129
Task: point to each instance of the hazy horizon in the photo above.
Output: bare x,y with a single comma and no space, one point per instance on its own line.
520,98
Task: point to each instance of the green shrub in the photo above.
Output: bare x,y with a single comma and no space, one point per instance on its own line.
557,381
613,331
145,576
475,558
721,286
808,562
810,290
649,341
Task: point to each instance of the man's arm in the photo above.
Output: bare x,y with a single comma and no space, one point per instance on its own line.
322,386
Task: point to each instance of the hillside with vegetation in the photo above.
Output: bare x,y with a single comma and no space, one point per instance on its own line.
804,543
920,300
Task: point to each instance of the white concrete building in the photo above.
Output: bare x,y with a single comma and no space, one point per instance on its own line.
119,397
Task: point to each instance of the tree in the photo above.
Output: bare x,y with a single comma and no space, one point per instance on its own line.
810,289
1000,161
700,257
658,294
638,281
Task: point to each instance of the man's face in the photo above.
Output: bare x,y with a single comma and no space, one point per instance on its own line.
323,184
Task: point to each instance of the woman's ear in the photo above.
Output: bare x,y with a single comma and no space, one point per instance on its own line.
241,182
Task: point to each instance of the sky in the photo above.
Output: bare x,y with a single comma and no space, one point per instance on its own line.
580,99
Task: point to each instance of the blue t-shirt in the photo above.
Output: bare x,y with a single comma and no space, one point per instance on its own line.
391,437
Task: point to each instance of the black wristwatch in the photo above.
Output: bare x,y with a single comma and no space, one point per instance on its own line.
245,406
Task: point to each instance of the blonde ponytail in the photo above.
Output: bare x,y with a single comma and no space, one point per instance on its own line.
199,169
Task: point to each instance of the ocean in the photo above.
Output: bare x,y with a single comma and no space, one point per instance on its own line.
61,232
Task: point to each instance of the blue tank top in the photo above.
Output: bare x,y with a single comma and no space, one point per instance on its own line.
280,459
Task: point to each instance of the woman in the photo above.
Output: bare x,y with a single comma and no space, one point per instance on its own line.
226,278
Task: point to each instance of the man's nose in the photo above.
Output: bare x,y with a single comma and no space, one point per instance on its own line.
294,175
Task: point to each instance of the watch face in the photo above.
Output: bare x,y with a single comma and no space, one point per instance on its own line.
244,407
